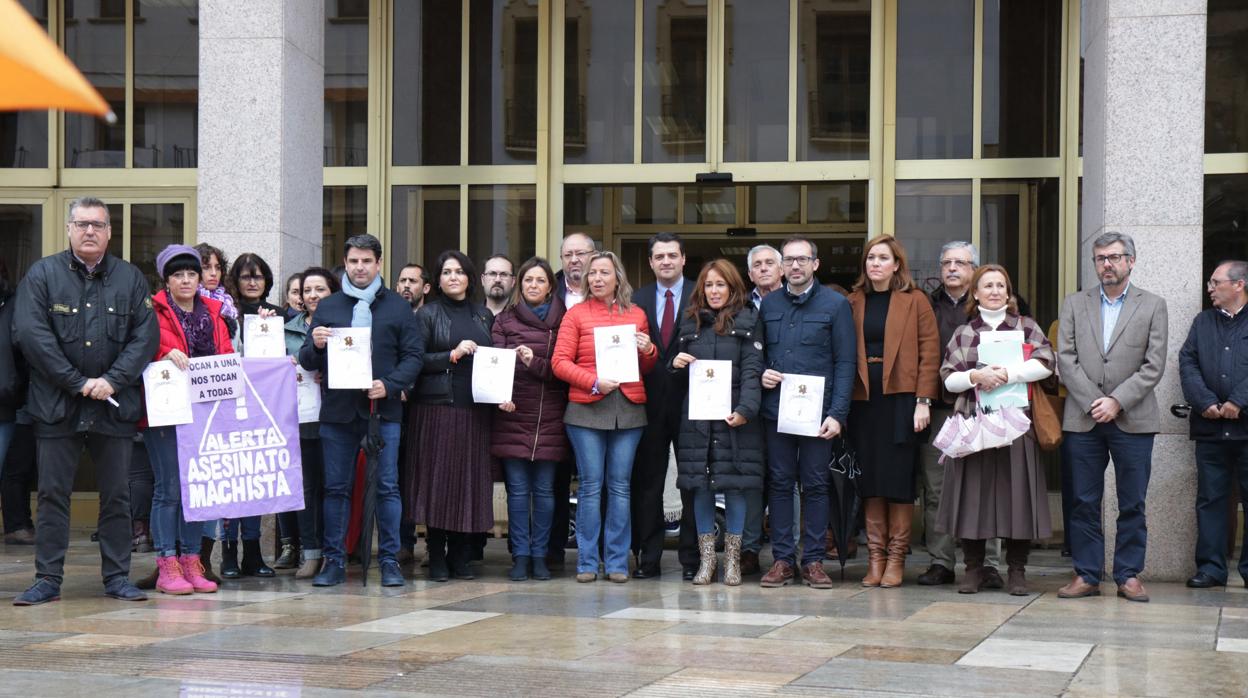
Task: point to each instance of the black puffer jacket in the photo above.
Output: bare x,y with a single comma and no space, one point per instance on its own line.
711,452
12,375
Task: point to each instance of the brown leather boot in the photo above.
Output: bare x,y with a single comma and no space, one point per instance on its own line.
706,556
875,512
899,518
973,580
1016,553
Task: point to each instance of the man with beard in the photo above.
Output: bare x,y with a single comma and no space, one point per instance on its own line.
498,279
412,285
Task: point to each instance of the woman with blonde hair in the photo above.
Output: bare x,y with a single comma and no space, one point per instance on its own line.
604,418
898,377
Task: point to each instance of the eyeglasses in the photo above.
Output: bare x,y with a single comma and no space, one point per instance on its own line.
801,261
1214,283
576,255
960,263
1111,258
252,278
82,226
498,275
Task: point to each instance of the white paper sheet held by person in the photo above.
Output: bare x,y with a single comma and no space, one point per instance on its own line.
168,392
308,392
350,358
615,353
263,337
493,372
801,405
710,389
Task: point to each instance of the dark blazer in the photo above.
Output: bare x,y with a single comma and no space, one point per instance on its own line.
659,390
12,376
1213,368
397,355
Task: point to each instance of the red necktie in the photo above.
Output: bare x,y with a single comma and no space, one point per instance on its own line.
669,319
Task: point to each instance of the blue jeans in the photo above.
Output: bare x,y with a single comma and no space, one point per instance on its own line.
1216,464
249,525
792,459
6,437
340,444
169,526
603,454
1133,463
735,505
536,479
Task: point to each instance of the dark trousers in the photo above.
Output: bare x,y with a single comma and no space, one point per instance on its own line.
649,475
311,524
18,479
1133,463
562,515
1217,462
142,482
59,458
1068,492
792,459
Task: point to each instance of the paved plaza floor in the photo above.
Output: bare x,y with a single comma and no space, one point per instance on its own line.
493,637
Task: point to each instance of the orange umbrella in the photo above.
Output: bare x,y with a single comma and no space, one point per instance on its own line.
34,74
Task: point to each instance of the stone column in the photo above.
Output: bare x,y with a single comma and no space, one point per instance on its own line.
261,130
1144,126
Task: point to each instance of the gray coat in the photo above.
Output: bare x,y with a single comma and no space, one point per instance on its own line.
1128,372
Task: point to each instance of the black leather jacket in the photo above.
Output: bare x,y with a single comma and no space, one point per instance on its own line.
433,387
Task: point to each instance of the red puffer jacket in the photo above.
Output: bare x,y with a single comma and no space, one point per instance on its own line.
534,431
574,351
171,334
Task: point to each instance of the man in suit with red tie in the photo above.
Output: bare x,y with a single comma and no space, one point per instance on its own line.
663,302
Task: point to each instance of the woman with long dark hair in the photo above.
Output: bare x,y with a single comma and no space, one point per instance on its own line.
452,488
721,456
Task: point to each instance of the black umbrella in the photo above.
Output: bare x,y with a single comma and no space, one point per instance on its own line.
843,500
372,443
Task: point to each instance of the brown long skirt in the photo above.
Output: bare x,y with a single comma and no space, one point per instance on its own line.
451,487
1000,493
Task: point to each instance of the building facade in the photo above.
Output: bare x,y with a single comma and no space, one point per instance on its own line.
498,126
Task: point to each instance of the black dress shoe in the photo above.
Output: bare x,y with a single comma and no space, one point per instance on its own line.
688,573
647,572
936,575
1200,580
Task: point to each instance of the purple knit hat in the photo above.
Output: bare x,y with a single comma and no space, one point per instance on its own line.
162,259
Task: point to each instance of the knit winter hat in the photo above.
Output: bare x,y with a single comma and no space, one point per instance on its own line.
172,251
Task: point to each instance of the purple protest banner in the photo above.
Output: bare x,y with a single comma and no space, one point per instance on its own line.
240,457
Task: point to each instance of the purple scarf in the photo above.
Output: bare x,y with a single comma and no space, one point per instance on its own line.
197,326
219,295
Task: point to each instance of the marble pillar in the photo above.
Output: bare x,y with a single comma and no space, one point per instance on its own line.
261,121
1144,101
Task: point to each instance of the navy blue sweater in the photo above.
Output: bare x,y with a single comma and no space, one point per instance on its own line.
1213,368
398,351
814,335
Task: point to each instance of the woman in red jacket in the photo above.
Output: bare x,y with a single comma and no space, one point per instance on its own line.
528,435
190,326
604,418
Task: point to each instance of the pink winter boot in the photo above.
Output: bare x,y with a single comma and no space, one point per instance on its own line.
170,579
193,572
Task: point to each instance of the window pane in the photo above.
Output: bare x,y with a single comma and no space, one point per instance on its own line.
1226,221
1022,78
426,80
646,204
1226,78
674,82
502,82
346,83
344,213
834,81
598,81
153,227
929,214
21,240
582,208
424,222
24,135
756,81
1019,230
95,40
502,219
775,203
935,63
710,205
166,84
837,202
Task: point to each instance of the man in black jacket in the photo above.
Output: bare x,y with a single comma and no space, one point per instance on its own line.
1215,384
85,324
397,349
664,303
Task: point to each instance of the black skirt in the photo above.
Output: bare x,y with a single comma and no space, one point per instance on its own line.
881,430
